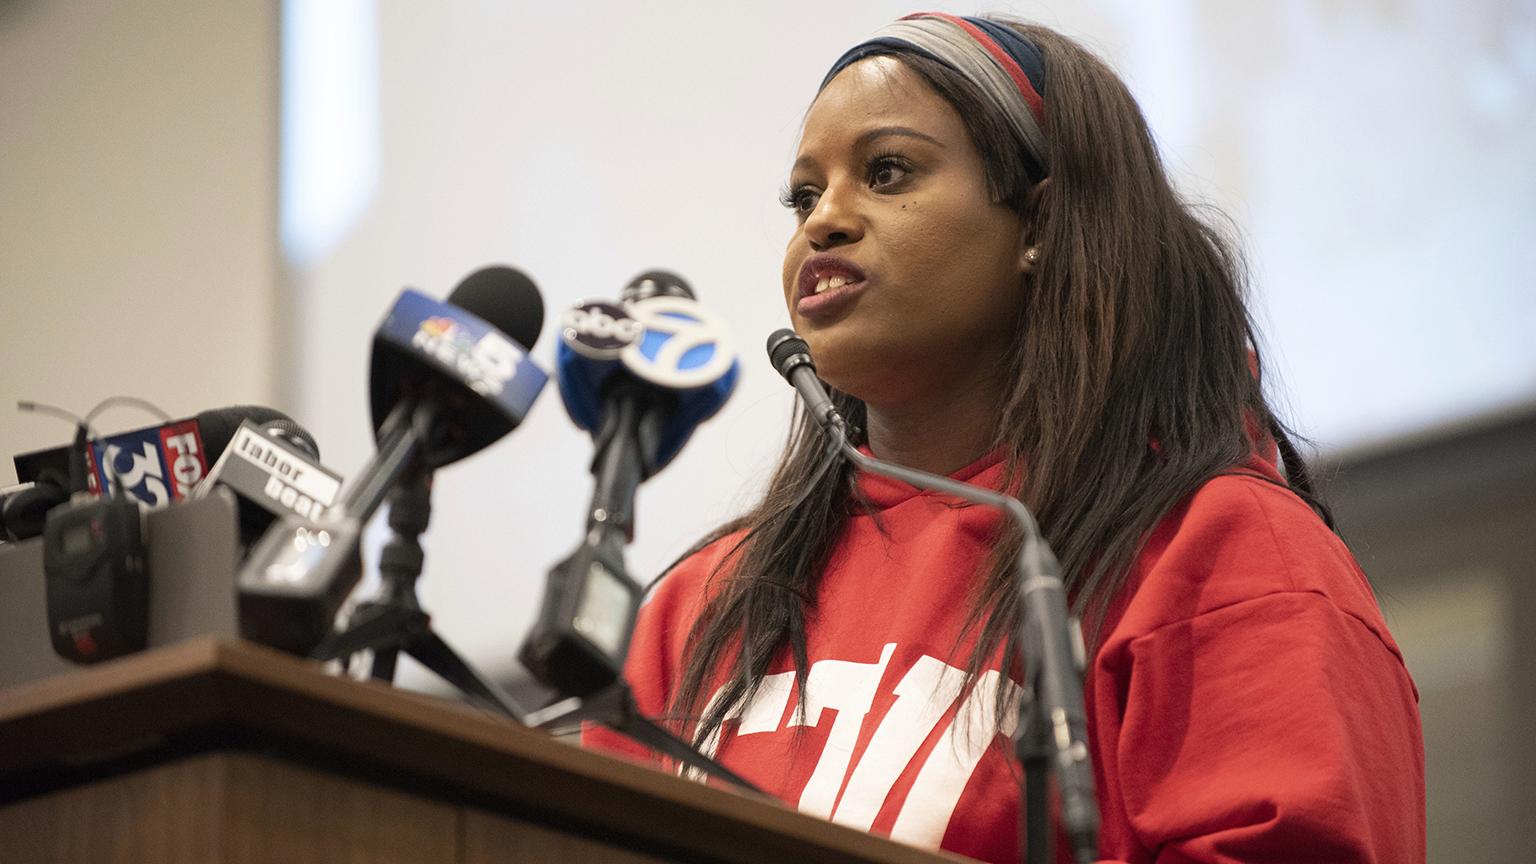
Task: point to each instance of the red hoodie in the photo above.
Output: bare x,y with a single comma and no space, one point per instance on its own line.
1245,700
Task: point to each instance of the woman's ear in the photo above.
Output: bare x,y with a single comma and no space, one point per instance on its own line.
1029,251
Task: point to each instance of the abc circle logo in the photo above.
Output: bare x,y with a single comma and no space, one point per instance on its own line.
680,346
598,329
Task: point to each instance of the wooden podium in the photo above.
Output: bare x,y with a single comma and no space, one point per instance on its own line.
214,751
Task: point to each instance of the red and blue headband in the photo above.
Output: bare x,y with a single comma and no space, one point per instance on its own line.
1005,68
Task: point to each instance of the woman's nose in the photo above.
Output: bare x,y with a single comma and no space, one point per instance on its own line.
835,220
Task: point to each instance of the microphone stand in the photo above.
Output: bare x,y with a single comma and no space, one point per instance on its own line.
394,621
573,645
615,708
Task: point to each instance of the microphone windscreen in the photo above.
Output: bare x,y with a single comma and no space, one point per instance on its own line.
217,427
784,344
583,382
24,511
506,299
292,433
656,283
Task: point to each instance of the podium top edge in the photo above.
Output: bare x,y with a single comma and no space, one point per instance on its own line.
145,703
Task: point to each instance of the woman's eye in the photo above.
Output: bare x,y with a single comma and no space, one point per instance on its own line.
801,199
886,171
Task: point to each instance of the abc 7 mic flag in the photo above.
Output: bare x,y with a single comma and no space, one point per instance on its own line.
680,346
670,344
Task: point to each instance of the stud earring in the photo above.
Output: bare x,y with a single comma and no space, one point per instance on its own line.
1032,255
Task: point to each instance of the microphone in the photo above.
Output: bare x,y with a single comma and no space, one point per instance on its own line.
658,341
791,357
274,469
1053,652
93,546
639,375
469,355
24,507
157,465
445,381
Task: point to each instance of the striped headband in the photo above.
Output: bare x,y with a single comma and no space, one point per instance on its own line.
1007,68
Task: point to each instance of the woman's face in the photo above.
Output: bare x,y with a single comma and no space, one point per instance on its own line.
902,274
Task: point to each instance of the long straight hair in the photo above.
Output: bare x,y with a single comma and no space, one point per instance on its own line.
1132,377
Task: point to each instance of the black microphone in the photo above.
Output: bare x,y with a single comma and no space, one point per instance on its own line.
157,465
94,555
475,368
24,507
1053,653
273,468
791,357
446,380
641,375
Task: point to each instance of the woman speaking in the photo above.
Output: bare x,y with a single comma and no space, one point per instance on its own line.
999,284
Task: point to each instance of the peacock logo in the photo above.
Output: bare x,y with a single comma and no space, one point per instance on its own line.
484,364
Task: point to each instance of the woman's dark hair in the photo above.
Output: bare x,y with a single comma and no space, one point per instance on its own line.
1134,381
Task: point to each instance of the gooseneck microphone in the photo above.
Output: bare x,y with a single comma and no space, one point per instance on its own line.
446,380
1054,726
791,358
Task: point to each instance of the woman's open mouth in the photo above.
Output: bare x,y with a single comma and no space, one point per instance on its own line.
827,285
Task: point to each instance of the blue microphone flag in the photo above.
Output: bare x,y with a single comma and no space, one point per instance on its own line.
466,349
669,343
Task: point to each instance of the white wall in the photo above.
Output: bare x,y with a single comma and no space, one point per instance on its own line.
138,179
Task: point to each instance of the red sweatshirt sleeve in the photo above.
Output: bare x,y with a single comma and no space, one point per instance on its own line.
1250,706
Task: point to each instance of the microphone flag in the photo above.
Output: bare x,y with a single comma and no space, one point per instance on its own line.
158,465
667,341
262,467
462,347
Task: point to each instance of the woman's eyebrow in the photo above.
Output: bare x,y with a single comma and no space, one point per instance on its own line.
869,136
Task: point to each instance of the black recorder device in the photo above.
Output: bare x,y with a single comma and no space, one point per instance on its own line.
97,582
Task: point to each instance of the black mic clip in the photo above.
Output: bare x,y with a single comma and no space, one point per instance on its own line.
582,632
295,562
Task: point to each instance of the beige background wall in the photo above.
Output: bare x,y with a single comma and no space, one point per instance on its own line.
138,196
